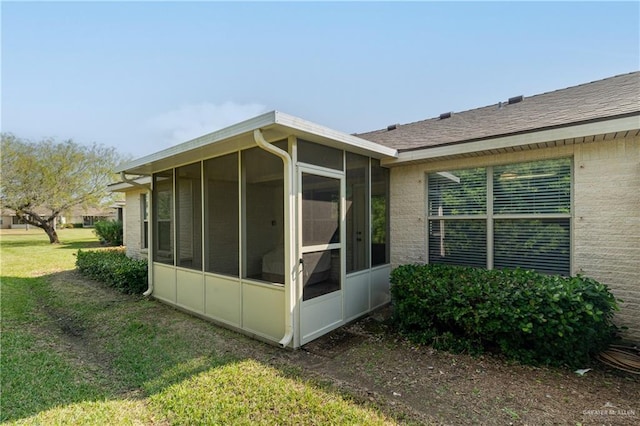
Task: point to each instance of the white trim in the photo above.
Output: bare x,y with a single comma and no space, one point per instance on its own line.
300,124
535,137
273,120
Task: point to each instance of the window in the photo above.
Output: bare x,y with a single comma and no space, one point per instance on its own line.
144,222
163,217
461,198
319,155
357,198
263,182
517,215
532,214
15,220
221,215
379,214
189,216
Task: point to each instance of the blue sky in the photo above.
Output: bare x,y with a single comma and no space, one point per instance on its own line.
144,76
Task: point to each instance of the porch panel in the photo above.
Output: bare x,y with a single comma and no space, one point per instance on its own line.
190,290
380,286
164,282
321,315
356,294
223,299
263,310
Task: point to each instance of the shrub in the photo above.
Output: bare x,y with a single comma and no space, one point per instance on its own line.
109,232
528,317
114,268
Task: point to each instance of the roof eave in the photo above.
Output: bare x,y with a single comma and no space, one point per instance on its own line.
620,124
278,123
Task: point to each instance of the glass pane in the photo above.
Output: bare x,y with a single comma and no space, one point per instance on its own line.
533,188
263,181
163,217
189,216
460,192
357,201
458,242
319,155
320,210
221,215
540,244
144,208
321,270
379,214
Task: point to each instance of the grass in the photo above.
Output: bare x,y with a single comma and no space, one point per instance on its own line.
77,352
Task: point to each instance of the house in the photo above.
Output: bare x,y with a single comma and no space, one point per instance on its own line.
85,217
285,230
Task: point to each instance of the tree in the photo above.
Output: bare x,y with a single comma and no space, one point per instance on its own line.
53,177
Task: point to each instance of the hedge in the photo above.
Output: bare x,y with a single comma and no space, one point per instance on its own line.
114,268
109,231
527,316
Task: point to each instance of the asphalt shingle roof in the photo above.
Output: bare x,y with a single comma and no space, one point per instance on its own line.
608,98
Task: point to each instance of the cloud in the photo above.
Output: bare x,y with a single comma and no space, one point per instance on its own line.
191,121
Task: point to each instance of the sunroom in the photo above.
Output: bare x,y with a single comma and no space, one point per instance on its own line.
275,226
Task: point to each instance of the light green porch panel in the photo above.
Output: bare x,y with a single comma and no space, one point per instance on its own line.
190,290
320,316
164,282
356,294
223,300
380,286
263,310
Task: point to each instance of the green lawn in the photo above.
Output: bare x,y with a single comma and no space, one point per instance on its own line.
76,352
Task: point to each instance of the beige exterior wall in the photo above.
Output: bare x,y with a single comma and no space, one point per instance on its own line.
133,224
606,213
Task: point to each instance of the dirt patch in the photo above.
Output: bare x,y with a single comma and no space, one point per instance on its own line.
335,343
421,384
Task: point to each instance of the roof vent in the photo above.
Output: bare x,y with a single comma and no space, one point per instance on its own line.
445,115
391,127
516,99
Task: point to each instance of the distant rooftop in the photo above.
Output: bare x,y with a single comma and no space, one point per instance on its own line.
612,97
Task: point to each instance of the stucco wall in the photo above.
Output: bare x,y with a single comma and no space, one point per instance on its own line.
606,211
132,224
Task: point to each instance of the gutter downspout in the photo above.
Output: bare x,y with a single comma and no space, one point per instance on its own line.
289,248
149,289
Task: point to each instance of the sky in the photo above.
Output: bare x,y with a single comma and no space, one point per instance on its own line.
144,76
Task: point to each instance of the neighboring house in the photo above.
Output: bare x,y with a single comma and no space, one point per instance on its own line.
87,217
289,238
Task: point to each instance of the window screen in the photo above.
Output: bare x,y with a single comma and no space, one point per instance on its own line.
189,220
263,181
163,217
320,155
357,202
221,215
379,214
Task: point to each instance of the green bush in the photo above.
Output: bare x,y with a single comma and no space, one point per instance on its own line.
109,232
528,317
114,268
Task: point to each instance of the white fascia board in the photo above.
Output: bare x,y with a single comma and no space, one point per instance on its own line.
237,129
301,125
542,136
273,119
